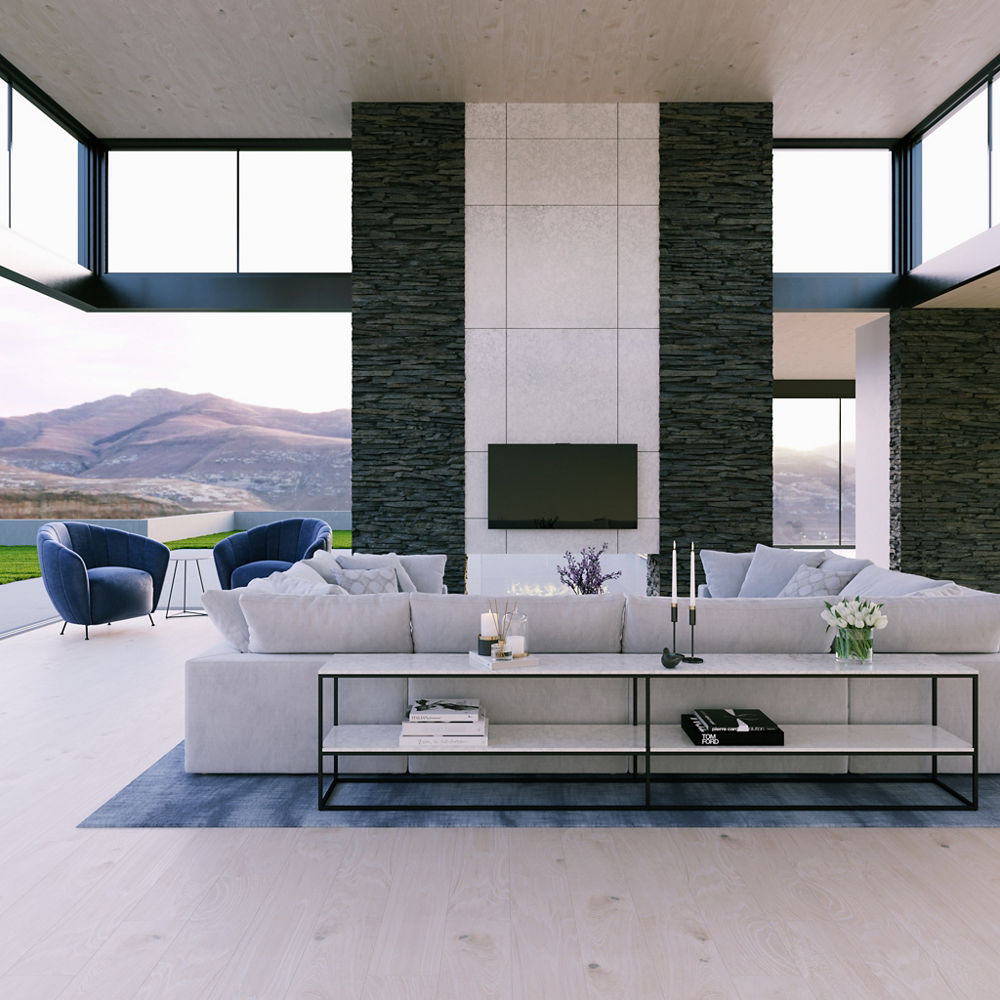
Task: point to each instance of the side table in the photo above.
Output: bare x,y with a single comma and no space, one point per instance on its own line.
179,559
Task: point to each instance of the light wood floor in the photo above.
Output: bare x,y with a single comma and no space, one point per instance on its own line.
433,913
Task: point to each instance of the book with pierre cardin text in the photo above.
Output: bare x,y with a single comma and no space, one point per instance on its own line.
739,720
703,734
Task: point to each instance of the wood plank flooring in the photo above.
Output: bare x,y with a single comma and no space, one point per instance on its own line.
433,914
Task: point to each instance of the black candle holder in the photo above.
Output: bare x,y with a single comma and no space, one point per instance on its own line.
670,659
692,658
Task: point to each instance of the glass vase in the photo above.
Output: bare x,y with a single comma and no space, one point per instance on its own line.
853,646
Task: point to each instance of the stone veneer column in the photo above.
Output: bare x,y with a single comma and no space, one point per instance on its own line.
715,328
944,444
408,399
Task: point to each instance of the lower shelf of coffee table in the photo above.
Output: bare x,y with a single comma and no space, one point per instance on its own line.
819,740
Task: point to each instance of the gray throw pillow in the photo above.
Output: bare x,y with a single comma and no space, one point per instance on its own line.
724,571
833,561
770,569
364,560
809,580
426,571
876,581
369,581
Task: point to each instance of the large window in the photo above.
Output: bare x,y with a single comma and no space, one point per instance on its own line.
229,210
814,472
832,210
955,177
44,179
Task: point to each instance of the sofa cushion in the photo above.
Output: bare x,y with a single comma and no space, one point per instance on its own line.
965,623
809,580
364,560
770,569
725,571
369,623
119,592
369,581
449,623
324,563
426,571
289,582
831,560
224,612
728,625
876,581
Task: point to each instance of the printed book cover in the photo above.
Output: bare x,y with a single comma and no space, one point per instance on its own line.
700,735
741,720
444,710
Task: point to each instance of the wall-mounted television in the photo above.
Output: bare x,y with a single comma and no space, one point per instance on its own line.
562,486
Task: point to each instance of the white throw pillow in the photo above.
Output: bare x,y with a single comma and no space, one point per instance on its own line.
281,583
426,571
724,571
325,564
809,580
876,581
369,581
224,612
770,569
363,560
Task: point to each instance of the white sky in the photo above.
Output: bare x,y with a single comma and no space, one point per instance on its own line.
55,356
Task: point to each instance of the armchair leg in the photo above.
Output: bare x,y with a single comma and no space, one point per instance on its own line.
63,629
86,631
151,622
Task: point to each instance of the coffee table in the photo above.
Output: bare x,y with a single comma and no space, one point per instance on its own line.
643,739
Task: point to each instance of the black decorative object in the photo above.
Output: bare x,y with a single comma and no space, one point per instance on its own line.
670,660
692,658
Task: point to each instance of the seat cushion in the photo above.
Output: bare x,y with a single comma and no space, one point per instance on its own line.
242,575
118,592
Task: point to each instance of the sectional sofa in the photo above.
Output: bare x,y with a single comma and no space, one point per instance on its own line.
251,699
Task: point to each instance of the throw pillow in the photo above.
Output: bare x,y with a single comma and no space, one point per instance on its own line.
876,581
426,571
224,612
770,569
809,580
362,560
725,571
325,563
833,561
369,581
282,583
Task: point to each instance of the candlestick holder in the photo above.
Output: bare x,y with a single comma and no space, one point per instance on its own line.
692,658
668,658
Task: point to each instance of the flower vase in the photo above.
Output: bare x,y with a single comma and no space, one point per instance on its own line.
853,646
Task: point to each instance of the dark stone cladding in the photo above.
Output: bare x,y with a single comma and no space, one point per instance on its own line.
715,328
408,405
944,444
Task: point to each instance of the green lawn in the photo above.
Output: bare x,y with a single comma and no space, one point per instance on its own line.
20,562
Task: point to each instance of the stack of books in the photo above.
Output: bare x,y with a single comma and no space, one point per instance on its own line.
445,722
731,727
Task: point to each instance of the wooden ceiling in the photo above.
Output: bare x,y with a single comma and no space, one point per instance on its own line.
291,68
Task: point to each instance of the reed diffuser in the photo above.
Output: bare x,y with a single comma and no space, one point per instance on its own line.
502,620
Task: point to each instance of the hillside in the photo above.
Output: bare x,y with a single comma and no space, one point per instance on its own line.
193,451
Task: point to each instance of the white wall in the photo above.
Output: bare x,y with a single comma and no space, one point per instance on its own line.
562,298
871,368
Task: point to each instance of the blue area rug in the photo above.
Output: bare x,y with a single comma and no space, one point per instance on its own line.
165,795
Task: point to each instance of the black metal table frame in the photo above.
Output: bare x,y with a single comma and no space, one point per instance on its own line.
645,777
185,612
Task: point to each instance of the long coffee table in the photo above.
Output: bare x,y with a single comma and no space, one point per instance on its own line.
642,739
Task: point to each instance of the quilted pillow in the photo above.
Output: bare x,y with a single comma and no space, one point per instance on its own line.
369,581
809,580
365,560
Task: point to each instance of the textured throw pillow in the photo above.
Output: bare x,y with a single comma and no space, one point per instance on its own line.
770,569
426,571
725,571
368,561
833,561
282,583
369,581
809,580
224,612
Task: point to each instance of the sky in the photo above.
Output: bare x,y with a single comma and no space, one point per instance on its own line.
55,356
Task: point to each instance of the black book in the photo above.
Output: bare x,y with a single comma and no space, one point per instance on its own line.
734,719
701,735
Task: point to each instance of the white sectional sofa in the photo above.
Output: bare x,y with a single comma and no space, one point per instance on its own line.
251,700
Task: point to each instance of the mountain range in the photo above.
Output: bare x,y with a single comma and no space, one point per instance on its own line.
180,451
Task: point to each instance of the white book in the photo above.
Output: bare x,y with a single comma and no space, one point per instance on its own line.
444,710
480,740
422,728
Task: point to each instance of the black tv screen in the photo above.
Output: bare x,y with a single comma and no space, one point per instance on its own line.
562,485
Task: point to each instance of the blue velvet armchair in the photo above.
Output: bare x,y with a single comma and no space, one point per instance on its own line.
96,575
261,551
